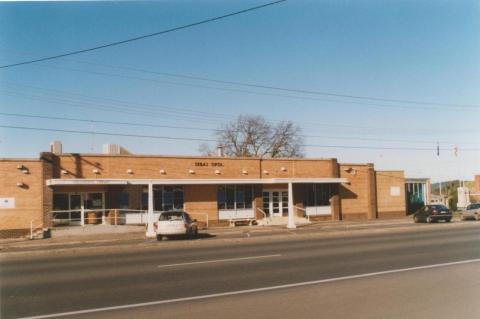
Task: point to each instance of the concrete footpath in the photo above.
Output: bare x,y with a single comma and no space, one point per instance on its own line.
119,236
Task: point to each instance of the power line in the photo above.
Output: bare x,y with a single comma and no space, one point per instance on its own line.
155,107
434,105
187,111
443,107
209,129
107,122
138,110
211,140
194,24
278,88
107,133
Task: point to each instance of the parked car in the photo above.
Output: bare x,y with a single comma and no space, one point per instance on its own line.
432,213
472,212
175,223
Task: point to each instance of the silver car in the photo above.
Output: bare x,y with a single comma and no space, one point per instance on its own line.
472,212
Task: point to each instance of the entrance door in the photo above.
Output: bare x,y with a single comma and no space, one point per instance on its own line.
75,208
275,203
87,201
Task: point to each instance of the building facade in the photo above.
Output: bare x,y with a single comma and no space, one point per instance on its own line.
78,189
417,193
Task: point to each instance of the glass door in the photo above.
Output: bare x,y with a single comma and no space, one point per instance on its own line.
275,203
94,205
266,203
284,203
75,207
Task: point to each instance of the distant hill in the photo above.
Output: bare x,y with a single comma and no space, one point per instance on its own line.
448,187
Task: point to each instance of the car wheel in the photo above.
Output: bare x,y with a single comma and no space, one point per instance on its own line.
159,237
477,217
428,220
415,219
448,220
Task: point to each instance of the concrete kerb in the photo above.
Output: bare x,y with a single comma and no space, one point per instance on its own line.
117,245
80,236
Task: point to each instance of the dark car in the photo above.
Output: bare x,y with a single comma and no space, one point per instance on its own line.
432,213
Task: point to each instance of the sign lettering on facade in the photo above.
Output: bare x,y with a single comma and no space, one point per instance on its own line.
7,202
206,164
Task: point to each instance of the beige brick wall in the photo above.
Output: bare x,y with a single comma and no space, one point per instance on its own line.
388,205
201,199
357,198
178,167
28,199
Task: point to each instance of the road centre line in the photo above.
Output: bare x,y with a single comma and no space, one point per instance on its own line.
218,261
247,291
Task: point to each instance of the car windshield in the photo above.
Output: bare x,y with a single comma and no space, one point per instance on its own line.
474,206
171,216
440,207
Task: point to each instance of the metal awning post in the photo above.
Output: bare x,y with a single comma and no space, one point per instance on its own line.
150,217
291,219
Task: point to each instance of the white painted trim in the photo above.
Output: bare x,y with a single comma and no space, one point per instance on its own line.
150,216
247,291
98,181
239,213
318,210
291,210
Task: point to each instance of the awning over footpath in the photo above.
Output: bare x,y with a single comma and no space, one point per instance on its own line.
196,181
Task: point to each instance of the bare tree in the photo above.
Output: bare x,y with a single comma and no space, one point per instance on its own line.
253,136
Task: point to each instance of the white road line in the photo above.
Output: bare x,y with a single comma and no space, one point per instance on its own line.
217,261
241,292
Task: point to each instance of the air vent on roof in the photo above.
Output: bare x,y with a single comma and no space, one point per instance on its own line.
114,149
56,147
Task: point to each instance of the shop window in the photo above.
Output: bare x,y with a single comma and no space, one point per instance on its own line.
60,202
222,197
157,198
124,200
178,198
145,200
320,194
235,197
167,198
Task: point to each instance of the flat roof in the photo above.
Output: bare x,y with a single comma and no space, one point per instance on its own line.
416,180
201,156
13,159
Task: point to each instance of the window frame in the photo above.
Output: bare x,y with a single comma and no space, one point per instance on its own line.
227,196
319,195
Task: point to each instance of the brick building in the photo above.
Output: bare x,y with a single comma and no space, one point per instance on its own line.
94,188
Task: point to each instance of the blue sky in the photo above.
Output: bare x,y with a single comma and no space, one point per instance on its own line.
409,50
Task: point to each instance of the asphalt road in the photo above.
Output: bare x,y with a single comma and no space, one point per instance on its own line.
45,285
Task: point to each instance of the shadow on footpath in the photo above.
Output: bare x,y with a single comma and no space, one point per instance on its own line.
186,238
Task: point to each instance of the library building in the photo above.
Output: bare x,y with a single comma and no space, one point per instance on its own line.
119,188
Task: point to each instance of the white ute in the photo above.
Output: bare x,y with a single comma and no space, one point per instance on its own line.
472,212
175,223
